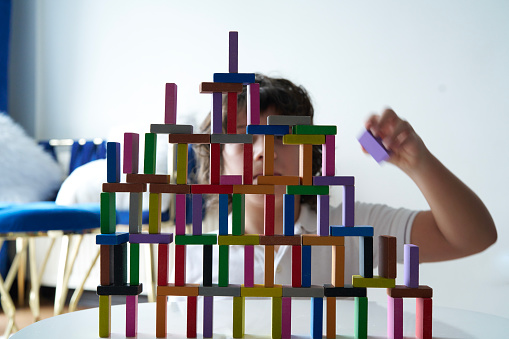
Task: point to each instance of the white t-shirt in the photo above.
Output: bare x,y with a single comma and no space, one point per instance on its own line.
384,219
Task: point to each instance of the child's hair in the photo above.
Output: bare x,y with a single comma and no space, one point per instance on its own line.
287,99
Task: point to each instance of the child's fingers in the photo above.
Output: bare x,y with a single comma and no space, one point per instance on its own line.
400,132
372,124
387,121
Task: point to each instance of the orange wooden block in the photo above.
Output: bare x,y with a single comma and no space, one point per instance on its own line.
268,155
313,239
294,240
338,266
124,187
161,306
331,317
171,289
189,138
169,188
278,180
306,164
148,178
269,266
253,189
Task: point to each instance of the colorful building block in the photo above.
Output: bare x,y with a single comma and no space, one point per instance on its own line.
112,239
277,304
104,316
188,290
306,164
162,264
238,214
253,104
171,129
375,282
192,316
134,264
197,214
230,180
224,265
238,317
223,214
189,138
344,292
296,266
366,257
268,155
314,129
161,311
170,188
211,189
331,317
278,239
231,127
201,239
218,291
134,178
312,291
322,215
131,317
147,238
334,181
131,152
338,266
361,317
113,161
108,213
329,156
246,239
278,180
303,139
316,318
288,214
411,265
154,213
231,138
247,173
249,265
149,162
180,214
394,318
222,87
233,52
387,254
267,129
349,206
316,240
269,213
170,104
106,265
306,266
374,146
307,190
289,120
253,189
135,212
402,291
119,264
207,265
120,289
208,316
243,78
182,164
217,113
357,231
286,318
124,187
262,291
180,265
424,318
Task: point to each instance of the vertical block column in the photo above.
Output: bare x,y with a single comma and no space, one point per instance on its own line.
154,213
277,305
180,265
208,316
288,214
104,316
150,153
296,266
134,264
106,264
269,213
306,266
131,316
329,156
361,317
170,104
394,318
411,263
286,318
217,113
180,214
387,252
192,316
268,155
207,265
181,164
238,214
253,104
349,206
338,266
135,212
113,161
366,257
238,317
162,264
223,214
331,317
231,127
247,176
108,213
233,52
424,318
161,309
316,318
306,164
322,215
215,164
249,265
131,152
269,266
224,265
120,264
197,214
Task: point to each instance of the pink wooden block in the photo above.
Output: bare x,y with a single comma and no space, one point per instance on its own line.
424,318
253,104
249,265
231,180
170,108
180,214
329,156
131,316
131,152
286,318
394,318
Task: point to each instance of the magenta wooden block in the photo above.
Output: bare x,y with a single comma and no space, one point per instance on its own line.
329,155
197,214
394,318
374,146
334,181
233,60
170,107
411,263
253,104
322,215
231,180
208,316
131,152
286,318
249,265
131,316
217,113
349,206
180,214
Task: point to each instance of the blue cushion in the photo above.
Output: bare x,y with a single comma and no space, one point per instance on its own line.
48,216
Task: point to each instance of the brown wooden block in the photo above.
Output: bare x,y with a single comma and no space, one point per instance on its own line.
268,155
306,164
161,309
269,266
401,291
189,138
280,240
387,257
170,188
124,187
171,289
148,178
253,189
338,266
278,180
313,239
105,263
223,87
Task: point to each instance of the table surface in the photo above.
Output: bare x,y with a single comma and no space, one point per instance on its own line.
447,322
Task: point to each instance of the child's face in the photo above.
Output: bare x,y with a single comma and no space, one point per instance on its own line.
286,157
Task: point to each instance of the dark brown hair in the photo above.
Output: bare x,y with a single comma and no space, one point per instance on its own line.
287,99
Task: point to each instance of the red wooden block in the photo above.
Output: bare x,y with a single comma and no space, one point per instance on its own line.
215,164
192,315
296,266
424,318
232,113
212,189
162,265
270,206
248,164
180,265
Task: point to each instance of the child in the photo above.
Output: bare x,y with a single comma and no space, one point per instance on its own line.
457,224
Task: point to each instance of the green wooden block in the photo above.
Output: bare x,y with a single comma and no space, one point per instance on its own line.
188,239
224,264
238,214
150,153
104,316
314,129
307,190
108,213
238,317
182,164
134,264
361,317
277,308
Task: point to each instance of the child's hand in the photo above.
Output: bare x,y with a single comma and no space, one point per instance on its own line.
398,136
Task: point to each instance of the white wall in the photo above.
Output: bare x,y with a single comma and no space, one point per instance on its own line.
442,65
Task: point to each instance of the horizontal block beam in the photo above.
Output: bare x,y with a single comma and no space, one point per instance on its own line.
313,239
334,181
171,129
375,282
293,240
268,130
314,129
217,291
170,188
307,190
112,239
156,238
189,290
278,180
261,291
402,291
120,289
288,120
203,239
247,239
344,292
313,291
212,189
253,189
223,87
124,187
303,139
148,178
231,139
189,138
356,231
243,78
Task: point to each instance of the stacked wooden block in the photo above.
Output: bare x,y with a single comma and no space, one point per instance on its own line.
294,130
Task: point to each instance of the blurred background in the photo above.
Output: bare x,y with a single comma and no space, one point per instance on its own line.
87,69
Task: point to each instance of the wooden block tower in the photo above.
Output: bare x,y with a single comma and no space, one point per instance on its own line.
294,130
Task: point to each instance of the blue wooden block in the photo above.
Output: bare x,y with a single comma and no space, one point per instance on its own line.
268,129
356,231
223,214
112,239
306,266
243,78
316,318
288,214
113,162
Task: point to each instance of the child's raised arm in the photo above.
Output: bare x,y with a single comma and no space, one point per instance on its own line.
458,223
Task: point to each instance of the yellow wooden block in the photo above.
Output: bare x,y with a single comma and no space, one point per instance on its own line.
313,239
189,290
300,139
246,239
375,282
278,180
154,213
238,317
277,305
182,164
104,316
261,291
253,189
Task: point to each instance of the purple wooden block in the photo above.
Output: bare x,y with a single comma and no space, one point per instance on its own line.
217,113
230,180
180,214
322,215
233,66
151,238
411,263
329,155
374,146
394,318
253,104
197,214
170,108
249,265
131,316
334,181
348,206
208,316
286,318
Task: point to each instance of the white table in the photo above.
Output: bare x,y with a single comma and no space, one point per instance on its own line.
447,322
